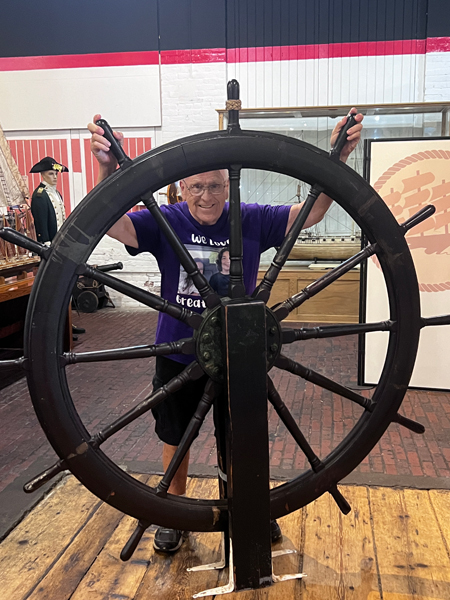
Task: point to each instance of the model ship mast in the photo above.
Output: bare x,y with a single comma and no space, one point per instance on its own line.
13,189
14,209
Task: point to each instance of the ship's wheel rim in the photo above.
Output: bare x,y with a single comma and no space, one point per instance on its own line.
89,222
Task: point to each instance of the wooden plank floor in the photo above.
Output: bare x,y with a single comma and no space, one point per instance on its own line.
394,545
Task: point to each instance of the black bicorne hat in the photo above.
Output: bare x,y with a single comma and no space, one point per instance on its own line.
48,164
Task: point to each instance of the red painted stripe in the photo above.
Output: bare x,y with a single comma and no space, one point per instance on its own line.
147,144
64,177
74,61
49,148
88,165
76,155
206,55
232,55
140,146
132,151
35,152
35,157
126,146
439,44
57,155
316,51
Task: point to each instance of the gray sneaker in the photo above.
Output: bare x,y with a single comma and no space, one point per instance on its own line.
275,531
167,540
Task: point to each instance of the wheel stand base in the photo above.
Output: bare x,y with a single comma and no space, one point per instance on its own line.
230,586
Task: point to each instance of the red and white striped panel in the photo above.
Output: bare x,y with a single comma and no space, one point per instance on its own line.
27,153
133,146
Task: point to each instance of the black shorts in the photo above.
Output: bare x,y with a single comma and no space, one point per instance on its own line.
173,414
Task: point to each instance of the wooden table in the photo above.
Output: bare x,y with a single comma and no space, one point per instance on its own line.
16,281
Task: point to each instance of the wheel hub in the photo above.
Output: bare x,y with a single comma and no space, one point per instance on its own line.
210,340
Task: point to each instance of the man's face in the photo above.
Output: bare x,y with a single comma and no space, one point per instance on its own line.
50,177
207,207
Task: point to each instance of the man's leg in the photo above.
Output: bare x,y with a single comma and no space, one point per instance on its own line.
172,418
178,484
169,540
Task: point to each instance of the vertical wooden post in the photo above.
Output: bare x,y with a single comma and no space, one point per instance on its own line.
248,455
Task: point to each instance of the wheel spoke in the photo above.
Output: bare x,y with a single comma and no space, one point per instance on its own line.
19,239
237,289
190,373
211,390
431,321
420,216
190,266
328,384
181,347
39,480
282,311
262,292
332,386
152,300
309,333
13,364
291,425
135,538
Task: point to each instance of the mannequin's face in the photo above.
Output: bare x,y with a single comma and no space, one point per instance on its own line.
50,177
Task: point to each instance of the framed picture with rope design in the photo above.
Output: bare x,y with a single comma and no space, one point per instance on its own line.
410,174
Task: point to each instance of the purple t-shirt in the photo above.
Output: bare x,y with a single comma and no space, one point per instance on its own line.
262,228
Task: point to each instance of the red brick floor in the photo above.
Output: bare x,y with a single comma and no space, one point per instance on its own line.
104,391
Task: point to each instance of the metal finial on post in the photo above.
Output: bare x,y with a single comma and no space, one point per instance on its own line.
233,104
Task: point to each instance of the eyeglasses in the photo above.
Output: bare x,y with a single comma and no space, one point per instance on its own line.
197,189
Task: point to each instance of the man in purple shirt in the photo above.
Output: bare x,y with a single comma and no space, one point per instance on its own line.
201,222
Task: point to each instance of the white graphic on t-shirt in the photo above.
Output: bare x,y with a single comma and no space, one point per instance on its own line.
206,258
201,239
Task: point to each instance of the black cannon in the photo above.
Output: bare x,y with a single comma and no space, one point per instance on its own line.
89,294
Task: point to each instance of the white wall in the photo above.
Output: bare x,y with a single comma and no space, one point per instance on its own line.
331,82
62,98
437,77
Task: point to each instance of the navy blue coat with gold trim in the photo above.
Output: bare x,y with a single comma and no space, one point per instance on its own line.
43,214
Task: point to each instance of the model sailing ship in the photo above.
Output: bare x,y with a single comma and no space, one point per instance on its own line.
329,247
14,209
323,242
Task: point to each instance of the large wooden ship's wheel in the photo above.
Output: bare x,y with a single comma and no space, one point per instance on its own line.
46,362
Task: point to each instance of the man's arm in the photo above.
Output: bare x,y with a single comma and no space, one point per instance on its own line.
123,230
323,202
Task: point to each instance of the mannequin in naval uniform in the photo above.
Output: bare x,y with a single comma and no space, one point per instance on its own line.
47,205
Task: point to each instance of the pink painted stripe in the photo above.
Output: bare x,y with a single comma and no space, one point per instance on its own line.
73,61
76,155
439,44
232,55
206,55
315,51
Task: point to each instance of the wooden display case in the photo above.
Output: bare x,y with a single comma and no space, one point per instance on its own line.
338,303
